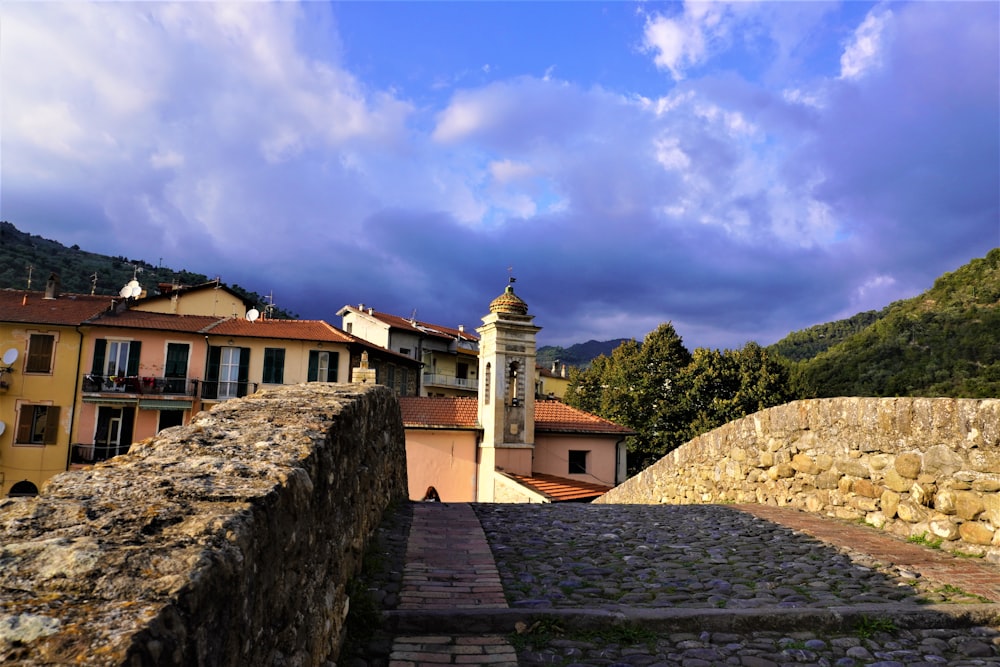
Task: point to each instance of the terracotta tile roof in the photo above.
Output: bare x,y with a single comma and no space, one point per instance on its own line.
560,489
138,319
33,308
557,417
462,412
440,412
416,326
317,330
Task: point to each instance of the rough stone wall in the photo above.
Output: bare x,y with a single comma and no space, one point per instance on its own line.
226,542
917,467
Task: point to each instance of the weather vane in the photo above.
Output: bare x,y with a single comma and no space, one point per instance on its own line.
510,275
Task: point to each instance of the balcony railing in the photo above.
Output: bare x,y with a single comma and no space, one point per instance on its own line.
439,380
222,390
145,385
85,454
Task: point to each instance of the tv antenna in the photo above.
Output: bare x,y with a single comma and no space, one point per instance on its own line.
93,284
269,305
30,269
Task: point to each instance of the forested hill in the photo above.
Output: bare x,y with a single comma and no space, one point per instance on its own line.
24,255
945,342
579,355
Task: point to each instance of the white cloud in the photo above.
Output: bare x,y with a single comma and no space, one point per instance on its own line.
864,52
505,171
683,41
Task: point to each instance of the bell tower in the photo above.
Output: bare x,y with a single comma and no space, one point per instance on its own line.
506,390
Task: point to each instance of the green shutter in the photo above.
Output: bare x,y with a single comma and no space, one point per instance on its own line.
100,349
313,366
243,372
177,359
334,364
211,389
132,366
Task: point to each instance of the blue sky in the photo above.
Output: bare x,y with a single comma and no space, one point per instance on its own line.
742,170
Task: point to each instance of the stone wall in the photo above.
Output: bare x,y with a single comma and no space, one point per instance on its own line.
916,467
226,542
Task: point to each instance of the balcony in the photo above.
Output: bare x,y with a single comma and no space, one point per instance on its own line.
439,380
139,385
83,454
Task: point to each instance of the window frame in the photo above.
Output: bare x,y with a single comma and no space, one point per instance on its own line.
29,417
33,354
575,466
273,370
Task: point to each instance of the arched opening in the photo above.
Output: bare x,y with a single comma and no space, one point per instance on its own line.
23,488
513,379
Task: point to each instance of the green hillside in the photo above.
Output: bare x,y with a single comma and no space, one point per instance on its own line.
945,342
24,255
579,355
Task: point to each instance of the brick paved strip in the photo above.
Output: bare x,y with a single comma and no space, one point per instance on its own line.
972,576
418,651
448,561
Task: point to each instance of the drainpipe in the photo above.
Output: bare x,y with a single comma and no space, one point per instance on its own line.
76,393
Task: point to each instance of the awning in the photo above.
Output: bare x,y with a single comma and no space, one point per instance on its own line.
105,400
161,404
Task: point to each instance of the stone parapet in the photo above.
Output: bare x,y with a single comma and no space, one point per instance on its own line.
230,541
920,468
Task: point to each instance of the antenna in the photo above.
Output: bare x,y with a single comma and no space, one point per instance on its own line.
413,315
30,269
269,306
10,356
252,315
93,283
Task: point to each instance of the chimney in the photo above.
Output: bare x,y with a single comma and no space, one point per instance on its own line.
52,286
564,370
461,328
555,364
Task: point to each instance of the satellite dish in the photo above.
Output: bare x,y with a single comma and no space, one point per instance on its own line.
135,291
125,292
2,427
133,283
10,356
252,315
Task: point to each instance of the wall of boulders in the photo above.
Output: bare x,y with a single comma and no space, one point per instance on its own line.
230,541
920,468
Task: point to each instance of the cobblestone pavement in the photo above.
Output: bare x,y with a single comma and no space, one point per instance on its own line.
681,585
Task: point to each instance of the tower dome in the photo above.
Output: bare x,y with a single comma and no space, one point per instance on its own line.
508,302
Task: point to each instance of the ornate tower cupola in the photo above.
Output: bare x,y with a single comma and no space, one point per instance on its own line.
506,387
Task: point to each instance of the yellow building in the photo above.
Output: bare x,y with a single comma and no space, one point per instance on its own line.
40,364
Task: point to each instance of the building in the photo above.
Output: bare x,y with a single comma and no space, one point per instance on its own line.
84,377
449,356
504,446
40,363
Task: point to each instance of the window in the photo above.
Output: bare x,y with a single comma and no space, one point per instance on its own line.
486,383
404,350
274,365
116,358
461,371
175,368
392,377
578,462
37,425
323,366
40,348
228,372
513,380
350,327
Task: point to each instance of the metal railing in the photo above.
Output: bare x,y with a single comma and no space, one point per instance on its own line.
139,384
437,379
85,454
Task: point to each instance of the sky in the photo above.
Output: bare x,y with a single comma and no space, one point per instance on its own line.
741,170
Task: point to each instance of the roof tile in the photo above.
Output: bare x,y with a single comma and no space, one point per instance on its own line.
33,308
461,412
560,489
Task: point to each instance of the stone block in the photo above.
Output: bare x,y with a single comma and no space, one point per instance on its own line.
864,504
889,503
878,461
910,512
864,487
854,468
908,465
893,480
986,485
968,505
828,479
944,502
976,532
923,493
805,464
944,528
942,460
876,519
